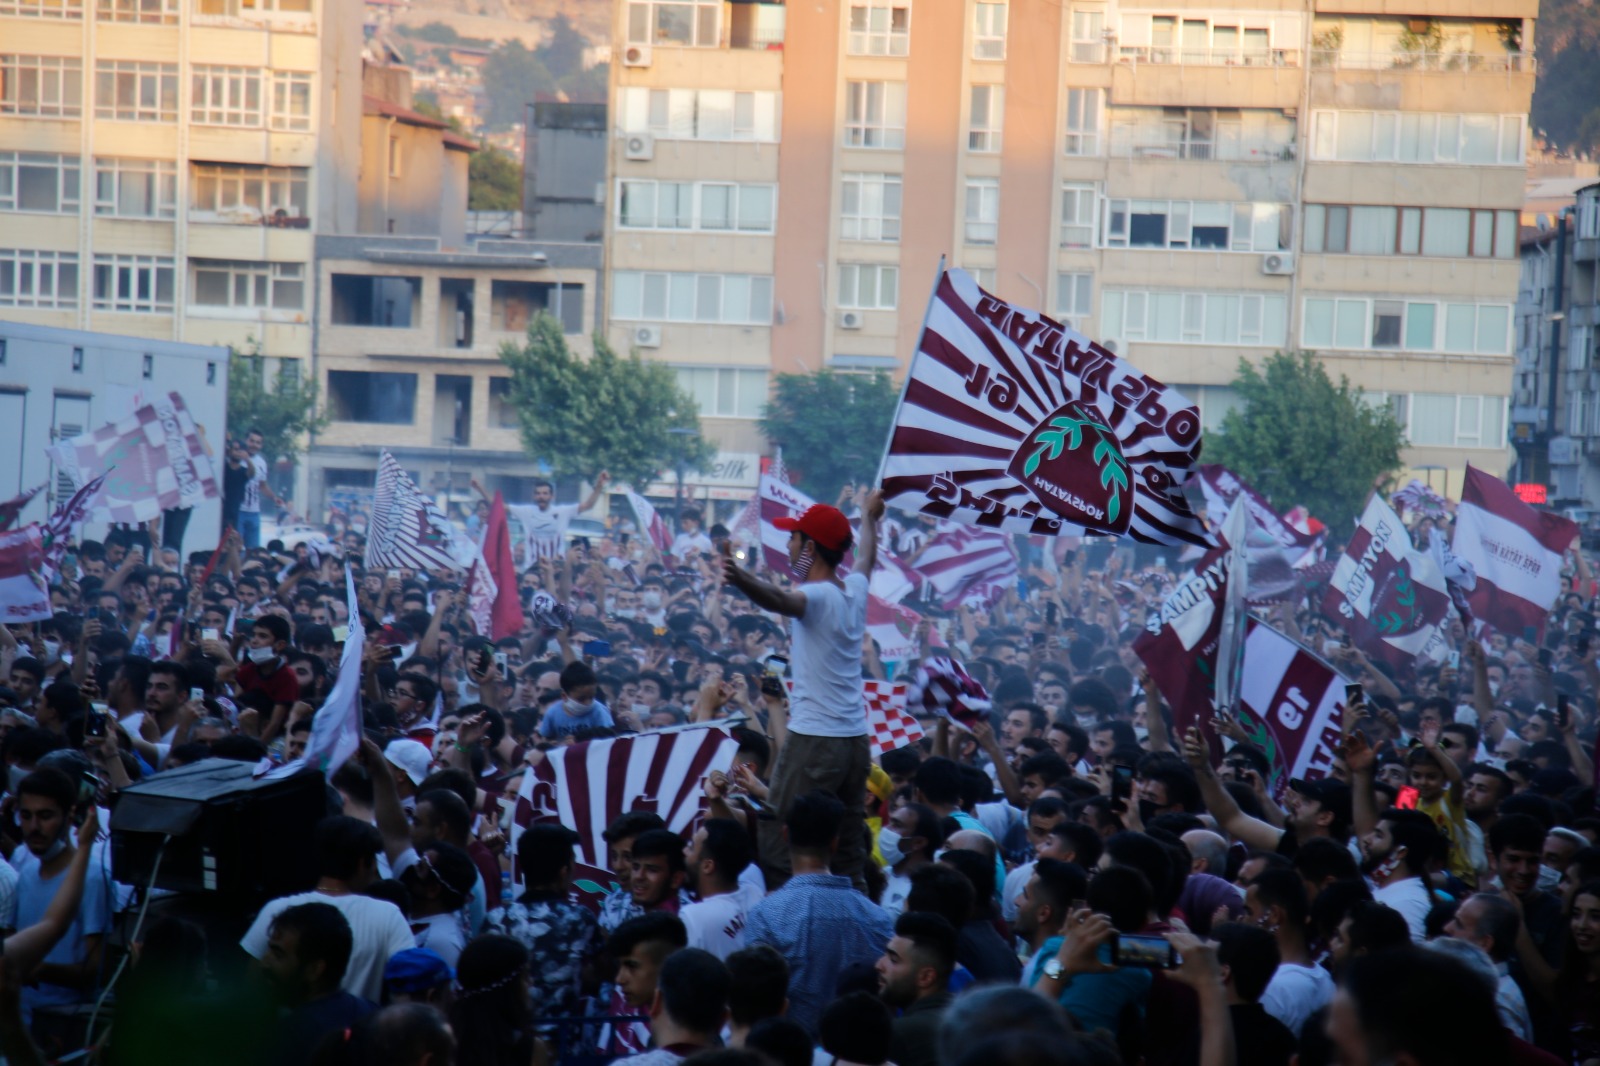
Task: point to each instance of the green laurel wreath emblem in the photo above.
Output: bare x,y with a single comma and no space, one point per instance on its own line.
1067,433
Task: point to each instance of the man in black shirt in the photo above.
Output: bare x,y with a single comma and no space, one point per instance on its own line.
1249,957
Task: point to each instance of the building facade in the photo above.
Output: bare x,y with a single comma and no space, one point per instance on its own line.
1190,185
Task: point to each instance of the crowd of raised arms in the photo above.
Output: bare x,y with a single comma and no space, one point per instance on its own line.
1071,881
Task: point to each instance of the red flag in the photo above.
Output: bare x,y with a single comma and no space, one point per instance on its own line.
507,616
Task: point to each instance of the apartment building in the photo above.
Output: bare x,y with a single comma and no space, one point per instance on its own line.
164,164
1555,407
1189,184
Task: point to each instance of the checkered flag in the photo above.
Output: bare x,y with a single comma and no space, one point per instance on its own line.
160,460
889,725
943,687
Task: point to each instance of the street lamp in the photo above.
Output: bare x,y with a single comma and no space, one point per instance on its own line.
677,506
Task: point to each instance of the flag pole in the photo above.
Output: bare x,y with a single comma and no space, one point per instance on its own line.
938,276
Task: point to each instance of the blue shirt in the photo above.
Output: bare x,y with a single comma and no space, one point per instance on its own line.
1096,1000
559,723
94,918
820,924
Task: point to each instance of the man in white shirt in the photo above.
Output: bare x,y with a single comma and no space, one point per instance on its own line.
826,746
544,522
718,854
1276,901
255,487
691,539
1395,856
347,862
1491,922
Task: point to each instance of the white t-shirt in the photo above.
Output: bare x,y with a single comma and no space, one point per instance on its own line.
441,934
685,542
895,892
377,930
1409,898
714,924
542,530
1296,992
251,501
825,653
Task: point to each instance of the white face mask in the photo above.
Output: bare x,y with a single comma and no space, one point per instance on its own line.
889,845
651,599
52,651
262,655
641,709
578,710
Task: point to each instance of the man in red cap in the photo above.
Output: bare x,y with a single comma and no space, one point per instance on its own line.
826,746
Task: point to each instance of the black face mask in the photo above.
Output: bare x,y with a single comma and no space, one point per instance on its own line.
1148,810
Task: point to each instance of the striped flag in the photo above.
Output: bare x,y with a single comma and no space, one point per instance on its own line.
1012,421
1222,486
587,786
779,499
1390,597
962,564
943,687
1516,552
64,522
650,522
11,509
24,592
407,529
894,627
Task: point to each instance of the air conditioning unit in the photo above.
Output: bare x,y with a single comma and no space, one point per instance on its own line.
1277,263
640,147
636,55
1112,345
849,319
647,337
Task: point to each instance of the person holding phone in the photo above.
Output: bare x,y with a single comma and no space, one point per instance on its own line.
826,746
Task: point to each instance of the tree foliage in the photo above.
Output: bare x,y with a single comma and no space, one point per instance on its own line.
285,411
1566,97
515,76
831,427
562,51
494,181
1299,438
607,412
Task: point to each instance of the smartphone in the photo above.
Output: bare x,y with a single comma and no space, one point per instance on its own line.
197,693
680,670
1039,639
503,661
210,634
1563,712
777,666
1344,640
1121,782
1050,614
771,685
394,573
98,721
1544,658
596,649
1455,660
1144,952
1354,694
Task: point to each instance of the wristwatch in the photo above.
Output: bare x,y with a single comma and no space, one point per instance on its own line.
1053,969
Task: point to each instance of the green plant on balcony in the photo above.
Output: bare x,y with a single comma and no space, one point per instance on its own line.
1419,45
1325,46
1510,31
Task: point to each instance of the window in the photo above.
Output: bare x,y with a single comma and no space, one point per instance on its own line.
502,411
1432,419
683,22
39,181
219,283
880,28
1074,295
1428,231
226,96
724,393
700,114
1244,319
1197,224
366,396
1083,121
983,210
149,12
989,31
875,115
870,207
1356,324
135,188
1417,137
44,280
137,283
136,92
1588,224
1077,215
41,86
47,9
651,296
513,304
1088,35
291,101
248,194
988,109
376,300
709,206
869,288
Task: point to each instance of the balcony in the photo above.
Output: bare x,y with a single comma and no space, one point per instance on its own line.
1204,151
1425,62
1490,83
1162,78
1209,57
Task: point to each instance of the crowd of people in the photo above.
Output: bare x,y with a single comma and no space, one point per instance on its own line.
1073,880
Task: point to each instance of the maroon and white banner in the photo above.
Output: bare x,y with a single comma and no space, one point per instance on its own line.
1012,421
650,522
1291,703
24,593
587,786
64,523
152,460
962,564
407,529
1516,552
894,627
11,509
778,499
1389,597
1222,487
1179,645
942,687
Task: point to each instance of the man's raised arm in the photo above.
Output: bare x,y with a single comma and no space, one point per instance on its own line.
763,594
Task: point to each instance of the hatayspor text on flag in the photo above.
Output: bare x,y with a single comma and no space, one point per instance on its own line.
1013,421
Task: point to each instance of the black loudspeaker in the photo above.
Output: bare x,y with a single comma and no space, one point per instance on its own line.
232,834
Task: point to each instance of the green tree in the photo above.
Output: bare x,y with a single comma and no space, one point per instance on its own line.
607,412
513,77
494,181
562,50
284,410
1299,438
831,427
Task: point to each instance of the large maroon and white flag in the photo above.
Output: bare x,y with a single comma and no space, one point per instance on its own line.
1391,598
1516,552
962,564
24,593
1291,702
65,521
1011,420
407,529
586,786
894,627
152,461
1222,487
1181,640
650,522
778,499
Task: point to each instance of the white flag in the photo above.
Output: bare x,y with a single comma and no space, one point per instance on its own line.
336,729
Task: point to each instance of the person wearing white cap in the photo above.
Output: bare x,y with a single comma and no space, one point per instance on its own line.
412,762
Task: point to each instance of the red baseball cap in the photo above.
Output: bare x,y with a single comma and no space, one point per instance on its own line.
824,524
